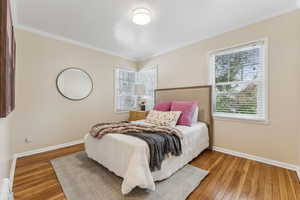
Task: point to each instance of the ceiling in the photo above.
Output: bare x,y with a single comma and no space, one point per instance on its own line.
106,24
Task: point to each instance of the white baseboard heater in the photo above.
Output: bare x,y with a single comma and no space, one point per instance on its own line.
5,192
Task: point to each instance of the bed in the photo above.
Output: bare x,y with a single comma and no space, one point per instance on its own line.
131,155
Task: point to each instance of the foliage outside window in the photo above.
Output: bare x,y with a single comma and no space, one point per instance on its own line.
239,82
125,79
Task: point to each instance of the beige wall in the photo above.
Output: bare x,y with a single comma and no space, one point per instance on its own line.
41,112
5,148
278,140
49,119
299,156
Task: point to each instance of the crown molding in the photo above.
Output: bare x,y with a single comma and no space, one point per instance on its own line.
187,44
57,37
142,59
70,41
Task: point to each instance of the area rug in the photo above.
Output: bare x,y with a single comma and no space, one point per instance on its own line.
84,179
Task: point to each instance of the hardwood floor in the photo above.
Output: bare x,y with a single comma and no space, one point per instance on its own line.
230,178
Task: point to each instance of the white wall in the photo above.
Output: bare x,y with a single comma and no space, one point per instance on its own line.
5,148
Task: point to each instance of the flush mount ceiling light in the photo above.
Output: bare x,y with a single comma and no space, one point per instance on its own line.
141,16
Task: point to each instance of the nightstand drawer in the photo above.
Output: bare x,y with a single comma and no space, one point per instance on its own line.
137,115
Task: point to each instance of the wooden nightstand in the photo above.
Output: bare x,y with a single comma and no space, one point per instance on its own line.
137,115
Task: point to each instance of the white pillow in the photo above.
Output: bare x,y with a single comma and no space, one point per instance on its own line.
161,118
195,115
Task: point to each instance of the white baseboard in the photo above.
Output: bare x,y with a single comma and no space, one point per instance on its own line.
298,173
215,148
5,192
36,151
259,159
12,171
50,148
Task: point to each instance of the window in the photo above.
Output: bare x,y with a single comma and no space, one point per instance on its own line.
125,79
148,77
239,82
124,89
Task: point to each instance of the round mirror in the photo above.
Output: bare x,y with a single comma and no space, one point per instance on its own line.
74,84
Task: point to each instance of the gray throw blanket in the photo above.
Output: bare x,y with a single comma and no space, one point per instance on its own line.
161,140
160,145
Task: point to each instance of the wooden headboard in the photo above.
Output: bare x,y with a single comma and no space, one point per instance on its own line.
202,94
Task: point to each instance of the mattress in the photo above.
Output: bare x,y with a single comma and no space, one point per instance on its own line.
128,157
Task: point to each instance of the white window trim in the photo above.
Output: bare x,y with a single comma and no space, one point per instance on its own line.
131,69
244,118
149,68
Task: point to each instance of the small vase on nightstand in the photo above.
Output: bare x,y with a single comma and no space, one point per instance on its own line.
143,107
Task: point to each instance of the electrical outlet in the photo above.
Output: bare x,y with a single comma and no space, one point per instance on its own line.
28,140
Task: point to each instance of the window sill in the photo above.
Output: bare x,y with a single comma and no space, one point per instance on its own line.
241,120
121,112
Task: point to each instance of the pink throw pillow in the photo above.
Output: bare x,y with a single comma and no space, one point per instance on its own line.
163,105
187,109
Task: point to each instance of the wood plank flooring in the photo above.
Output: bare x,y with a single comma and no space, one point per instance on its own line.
230,178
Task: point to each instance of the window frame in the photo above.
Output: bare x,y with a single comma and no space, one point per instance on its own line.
116,87
265,80
155,67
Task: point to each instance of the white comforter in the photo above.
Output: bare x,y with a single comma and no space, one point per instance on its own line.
128,157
